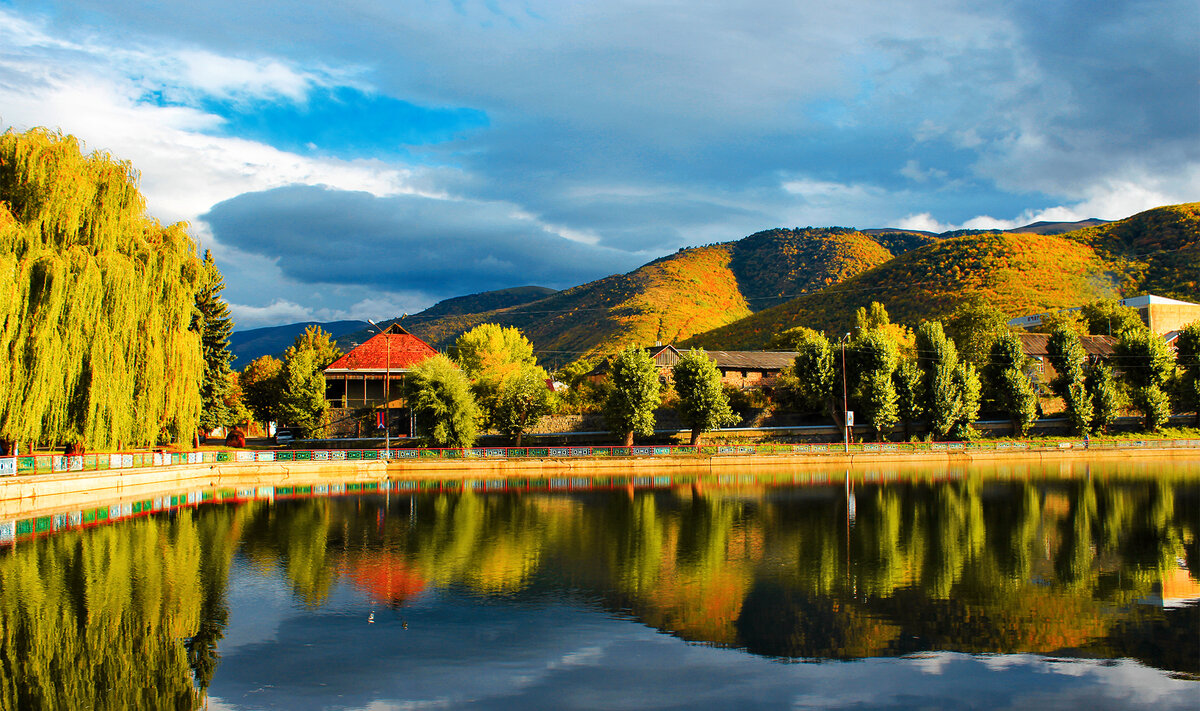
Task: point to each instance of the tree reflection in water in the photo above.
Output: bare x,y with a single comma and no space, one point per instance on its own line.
132,615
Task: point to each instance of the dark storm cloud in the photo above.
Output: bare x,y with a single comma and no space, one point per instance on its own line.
407,242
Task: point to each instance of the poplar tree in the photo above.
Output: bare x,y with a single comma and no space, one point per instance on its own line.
96,303
1187,359
875,357
950,389
1101,387
1146,363
1009,385
1069,359
629,408
906,379
213,321
816,370
524,399
703,404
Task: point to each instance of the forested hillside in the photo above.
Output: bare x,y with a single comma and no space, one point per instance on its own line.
689,292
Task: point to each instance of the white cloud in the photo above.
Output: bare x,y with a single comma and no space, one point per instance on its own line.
924,222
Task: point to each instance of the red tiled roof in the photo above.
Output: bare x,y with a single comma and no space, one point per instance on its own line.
401,350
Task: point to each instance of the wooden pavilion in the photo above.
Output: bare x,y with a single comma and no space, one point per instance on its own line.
371,376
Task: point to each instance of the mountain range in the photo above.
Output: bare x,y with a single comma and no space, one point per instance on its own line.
738,294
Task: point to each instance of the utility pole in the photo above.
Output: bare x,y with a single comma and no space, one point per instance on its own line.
846,421
387,392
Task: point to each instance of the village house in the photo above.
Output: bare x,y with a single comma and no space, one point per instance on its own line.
741,369
356,381
1099,349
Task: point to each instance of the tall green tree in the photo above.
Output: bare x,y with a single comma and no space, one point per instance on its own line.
1107,317
96,303
974,327
816,369
262,386
1069,361
214,323
524,399
490,354
906,379
325,350
303,404
629,409
1101,387
875,356
439,395
1187,359
1146,363
950,388
1008,383
703,405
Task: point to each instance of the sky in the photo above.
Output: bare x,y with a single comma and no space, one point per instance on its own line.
365,159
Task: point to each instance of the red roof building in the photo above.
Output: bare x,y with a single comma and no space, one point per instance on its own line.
356,380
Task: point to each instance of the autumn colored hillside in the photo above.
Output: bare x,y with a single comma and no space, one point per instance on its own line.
1157,251
672,298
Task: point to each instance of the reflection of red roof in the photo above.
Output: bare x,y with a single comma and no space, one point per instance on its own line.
385,579
406,350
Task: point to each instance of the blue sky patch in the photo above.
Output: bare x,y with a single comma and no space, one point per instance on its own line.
343,122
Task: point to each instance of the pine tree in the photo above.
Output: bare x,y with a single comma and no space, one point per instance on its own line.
213,321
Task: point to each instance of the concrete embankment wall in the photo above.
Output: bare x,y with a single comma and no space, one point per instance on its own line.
29,495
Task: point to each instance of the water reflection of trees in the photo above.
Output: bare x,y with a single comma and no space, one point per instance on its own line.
94,619
131,615
973,565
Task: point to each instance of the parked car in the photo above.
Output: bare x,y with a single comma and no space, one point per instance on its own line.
284,436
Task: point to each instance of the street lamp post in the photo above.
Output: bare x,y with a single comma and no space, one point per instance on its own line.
387,392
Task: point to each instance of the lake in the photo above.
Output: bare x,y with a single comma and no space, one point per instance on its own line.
948,588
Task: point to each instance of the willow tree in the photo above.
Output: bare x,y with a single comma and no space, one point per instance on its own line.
96,342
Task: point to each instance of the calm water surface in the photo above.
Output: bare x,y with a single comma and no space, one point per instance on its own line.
971,592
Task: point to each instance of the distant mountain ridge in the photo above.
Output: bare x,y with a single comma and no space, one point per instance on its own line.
737,295
274,340
674,297
1157,251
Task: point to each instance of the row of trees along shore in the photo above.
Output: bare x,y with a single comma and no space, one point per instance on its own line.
938,378
944,374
